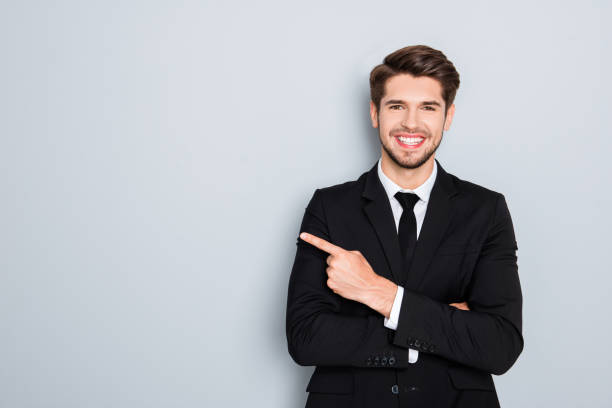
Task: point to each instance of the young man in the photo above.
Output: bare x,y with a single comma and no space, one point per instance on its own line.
405,291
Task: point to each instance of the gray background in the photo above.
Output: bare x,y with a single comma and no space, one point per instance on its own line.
156,159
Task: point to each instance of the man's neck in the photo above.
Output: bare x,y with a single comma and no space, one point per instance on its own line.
406,178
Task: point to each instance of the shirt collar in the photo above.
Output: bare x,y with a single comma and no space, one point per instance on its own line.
423,191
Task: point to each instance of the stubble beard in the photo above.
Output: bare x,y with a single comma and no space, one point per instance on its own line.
409,161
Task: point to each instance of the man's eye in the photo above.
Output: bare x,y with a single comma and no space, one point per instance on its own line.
395,106
430,108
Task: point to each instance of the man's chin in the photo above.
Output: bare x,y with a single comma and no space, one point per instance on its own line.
409,161
412,165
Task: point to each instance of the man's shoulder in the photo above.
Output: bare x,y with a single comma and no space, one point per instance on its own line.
342,192
473,196
474,190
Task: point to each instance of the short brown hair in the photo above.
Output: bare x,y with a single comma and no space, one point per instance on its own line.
417,60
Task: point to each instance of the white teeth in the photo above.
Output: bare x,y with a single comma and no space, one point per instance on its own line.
410,140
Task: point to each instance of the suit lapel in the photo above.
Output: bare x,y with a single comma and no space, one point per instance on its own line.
378,210
439,213
437,217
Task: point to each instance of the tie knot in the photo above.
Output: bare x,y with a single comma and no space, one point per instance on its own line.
407,200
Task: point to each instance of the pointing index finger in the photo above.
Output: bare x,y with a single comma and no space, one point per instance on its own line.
321,243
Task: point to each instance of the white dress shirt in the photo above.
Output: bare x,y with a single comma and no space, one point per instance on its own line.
423,191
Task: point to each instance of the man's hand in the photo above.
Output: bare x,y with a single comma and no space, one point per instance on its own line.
462,305
351,276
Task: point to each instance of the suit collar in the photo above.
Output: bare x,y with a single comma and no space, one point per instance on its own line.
437,217
423,191
442,180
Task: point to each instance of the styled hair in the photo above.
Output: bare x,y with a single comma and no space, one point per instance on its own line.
417,60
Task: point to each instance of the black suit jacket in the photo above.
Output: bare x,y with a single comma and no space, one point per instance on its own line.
466,251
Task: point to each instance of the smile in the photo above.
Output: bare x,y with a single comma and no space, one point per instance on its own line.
409,142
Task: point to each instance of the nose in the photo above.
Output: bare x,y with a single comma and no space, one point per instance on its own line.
410,119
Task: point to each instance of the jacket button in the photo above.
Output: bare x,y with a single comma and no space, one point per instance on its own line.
384,361
391,360
395,389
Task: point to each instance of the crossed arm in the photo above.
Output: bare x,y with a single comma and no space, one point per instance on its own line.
487,337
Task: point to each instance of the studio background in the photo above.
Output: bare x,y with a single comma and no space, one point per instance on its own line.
157,157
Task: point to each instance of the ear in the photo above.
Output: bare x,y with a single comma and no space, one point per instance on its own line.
373,114
449,116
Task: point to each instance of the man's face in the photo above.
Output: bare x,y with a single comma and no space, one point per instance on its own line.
411,119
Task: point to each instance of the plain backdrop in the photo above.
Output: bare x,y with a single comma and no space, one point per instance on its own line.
157,157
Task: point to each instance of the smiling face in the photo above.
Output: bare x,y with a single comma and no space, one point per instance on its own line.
411,120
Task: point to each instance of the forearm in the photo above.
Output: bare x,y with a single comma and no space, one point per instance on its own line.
331,339
481,340
319,334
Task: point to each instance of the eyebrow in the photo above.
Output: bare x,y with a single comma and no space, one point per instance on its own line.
401,102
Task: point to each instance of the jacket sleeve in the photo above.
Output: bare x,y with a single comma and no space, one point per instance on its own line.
487,337
317,332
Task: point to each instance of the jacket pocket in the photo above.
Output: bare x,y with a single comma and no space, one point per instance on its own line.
466,378
333,380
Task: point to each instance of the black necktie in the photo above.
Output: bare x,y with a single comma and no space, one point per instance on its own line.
407,231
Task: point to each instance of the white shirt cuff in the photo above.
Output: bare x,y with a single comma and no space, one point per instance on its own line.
413,355
392,321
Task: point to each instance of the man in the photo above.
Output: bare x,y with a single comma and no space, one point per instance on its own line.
405,291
